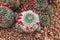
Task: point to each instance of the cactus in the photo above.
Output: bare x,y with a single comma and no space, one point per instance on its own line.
6,17
28,21
44,20
40,4
14,4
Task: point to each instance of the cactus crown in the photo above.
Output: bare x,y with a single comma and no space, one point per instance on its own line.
6,17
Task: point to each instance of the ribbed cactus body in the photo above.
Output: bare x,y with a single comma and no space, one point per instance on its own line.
6,17
14,4
28,21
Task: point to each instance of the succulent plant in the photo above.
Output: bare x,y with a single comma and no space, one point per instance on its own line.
40,4
28,21
44,20
6,17
14,4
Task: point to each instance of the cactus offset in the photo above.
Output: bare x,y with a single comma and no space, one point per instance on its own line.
44,20
6,17
14,4
28,21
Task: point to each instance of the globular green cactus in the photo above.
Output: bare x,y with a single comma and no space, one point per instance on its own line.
44,20
14,4
40,4
6,17
28,21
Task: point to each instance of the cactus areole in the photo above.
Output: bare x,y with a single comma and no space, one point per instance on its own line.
28,21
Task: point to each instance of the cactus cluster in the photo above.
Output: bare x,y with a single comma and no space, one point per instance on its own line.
28,21
6,17
14,4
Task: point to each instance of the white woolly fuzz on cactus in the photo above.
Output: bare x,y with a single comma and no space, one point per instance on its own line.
28,21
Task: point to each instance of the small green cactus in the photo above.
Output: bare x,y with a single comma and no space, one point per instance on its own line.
6,17
14,4
40,4
28,21
44,20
